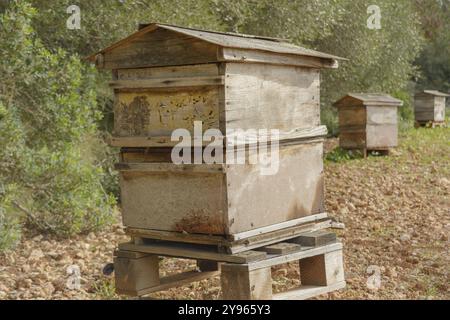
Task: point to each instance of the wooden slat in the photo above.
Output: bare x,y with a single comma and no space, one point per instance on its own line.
276,236
315,238
136,142
170,167
280,248
176,280
305,292
168,82
192,252
258,56
273,260
278,226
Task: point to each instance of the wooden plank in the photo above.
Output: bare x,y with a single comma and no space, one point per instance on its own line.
280,248
306,292
192,252
177,236
382,136
274,260
136,274
278,226
198,70
238,284
174,201
276,236
159,48
322,270
380,115
352,140
271,96
169,167
352,116
252,137
294,191
173,281
150,141
439,109
315,238
168,82
158,113
259,56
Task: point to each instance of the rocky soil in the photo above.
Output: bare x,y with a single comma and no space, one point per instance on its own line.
396,212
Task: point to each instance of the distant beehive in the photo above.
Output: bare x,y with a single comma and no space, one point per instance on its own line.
429,107
167,77
368,121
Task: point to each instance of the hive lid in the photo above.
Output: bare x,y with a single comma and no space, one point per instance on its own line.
369,99
434,93
225,39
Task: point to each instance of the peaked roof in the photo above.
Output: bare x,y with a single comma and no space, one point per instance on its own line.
225,39
370,99
435,93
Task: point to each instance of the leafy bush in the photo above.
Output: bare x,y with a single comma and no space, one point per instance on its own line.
406,111
328,117
49,116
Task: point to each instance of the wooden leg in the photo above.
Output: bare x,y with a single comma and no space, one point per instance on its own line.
240,284
322,270
134,274
207,265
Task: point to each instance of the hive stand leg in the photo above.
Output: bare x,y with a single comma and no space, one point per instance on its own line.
207,265
322,270
135,274
241,284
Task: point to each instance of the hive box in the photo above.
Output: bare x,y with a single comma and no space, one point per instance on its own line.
166,78
429,106
368,121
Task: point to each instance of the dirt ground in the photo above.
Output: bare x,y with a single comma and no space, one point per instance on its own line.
396,212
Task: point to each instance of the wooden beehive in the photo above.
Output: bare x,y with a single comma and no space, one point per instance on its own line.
167,77
367,121
429,107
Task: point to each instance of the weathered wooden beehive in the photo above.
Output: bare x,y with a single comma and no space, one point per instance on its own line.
167,77
429,107
368,121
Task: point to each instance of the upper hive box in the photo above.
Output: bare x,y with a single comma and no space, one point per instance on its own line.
368,121
167,77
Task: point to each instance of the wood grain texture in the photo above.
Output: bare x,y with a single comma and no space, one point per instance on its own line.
160,48
259,96
295,191
259,56
158,113
136,274
193,203
239,284
382,136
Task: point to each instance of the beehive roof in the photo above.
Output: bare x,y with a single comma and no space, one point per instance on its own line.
434,93
225,39
369,99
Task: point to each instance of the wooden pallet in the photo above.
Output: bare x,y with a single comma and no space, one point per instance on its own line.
245,275
238,242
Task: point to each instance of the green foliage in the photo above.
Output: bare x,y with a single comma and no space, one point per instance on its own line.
379,60
328,117
341,155
406,111
103,24
434,60
49,112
